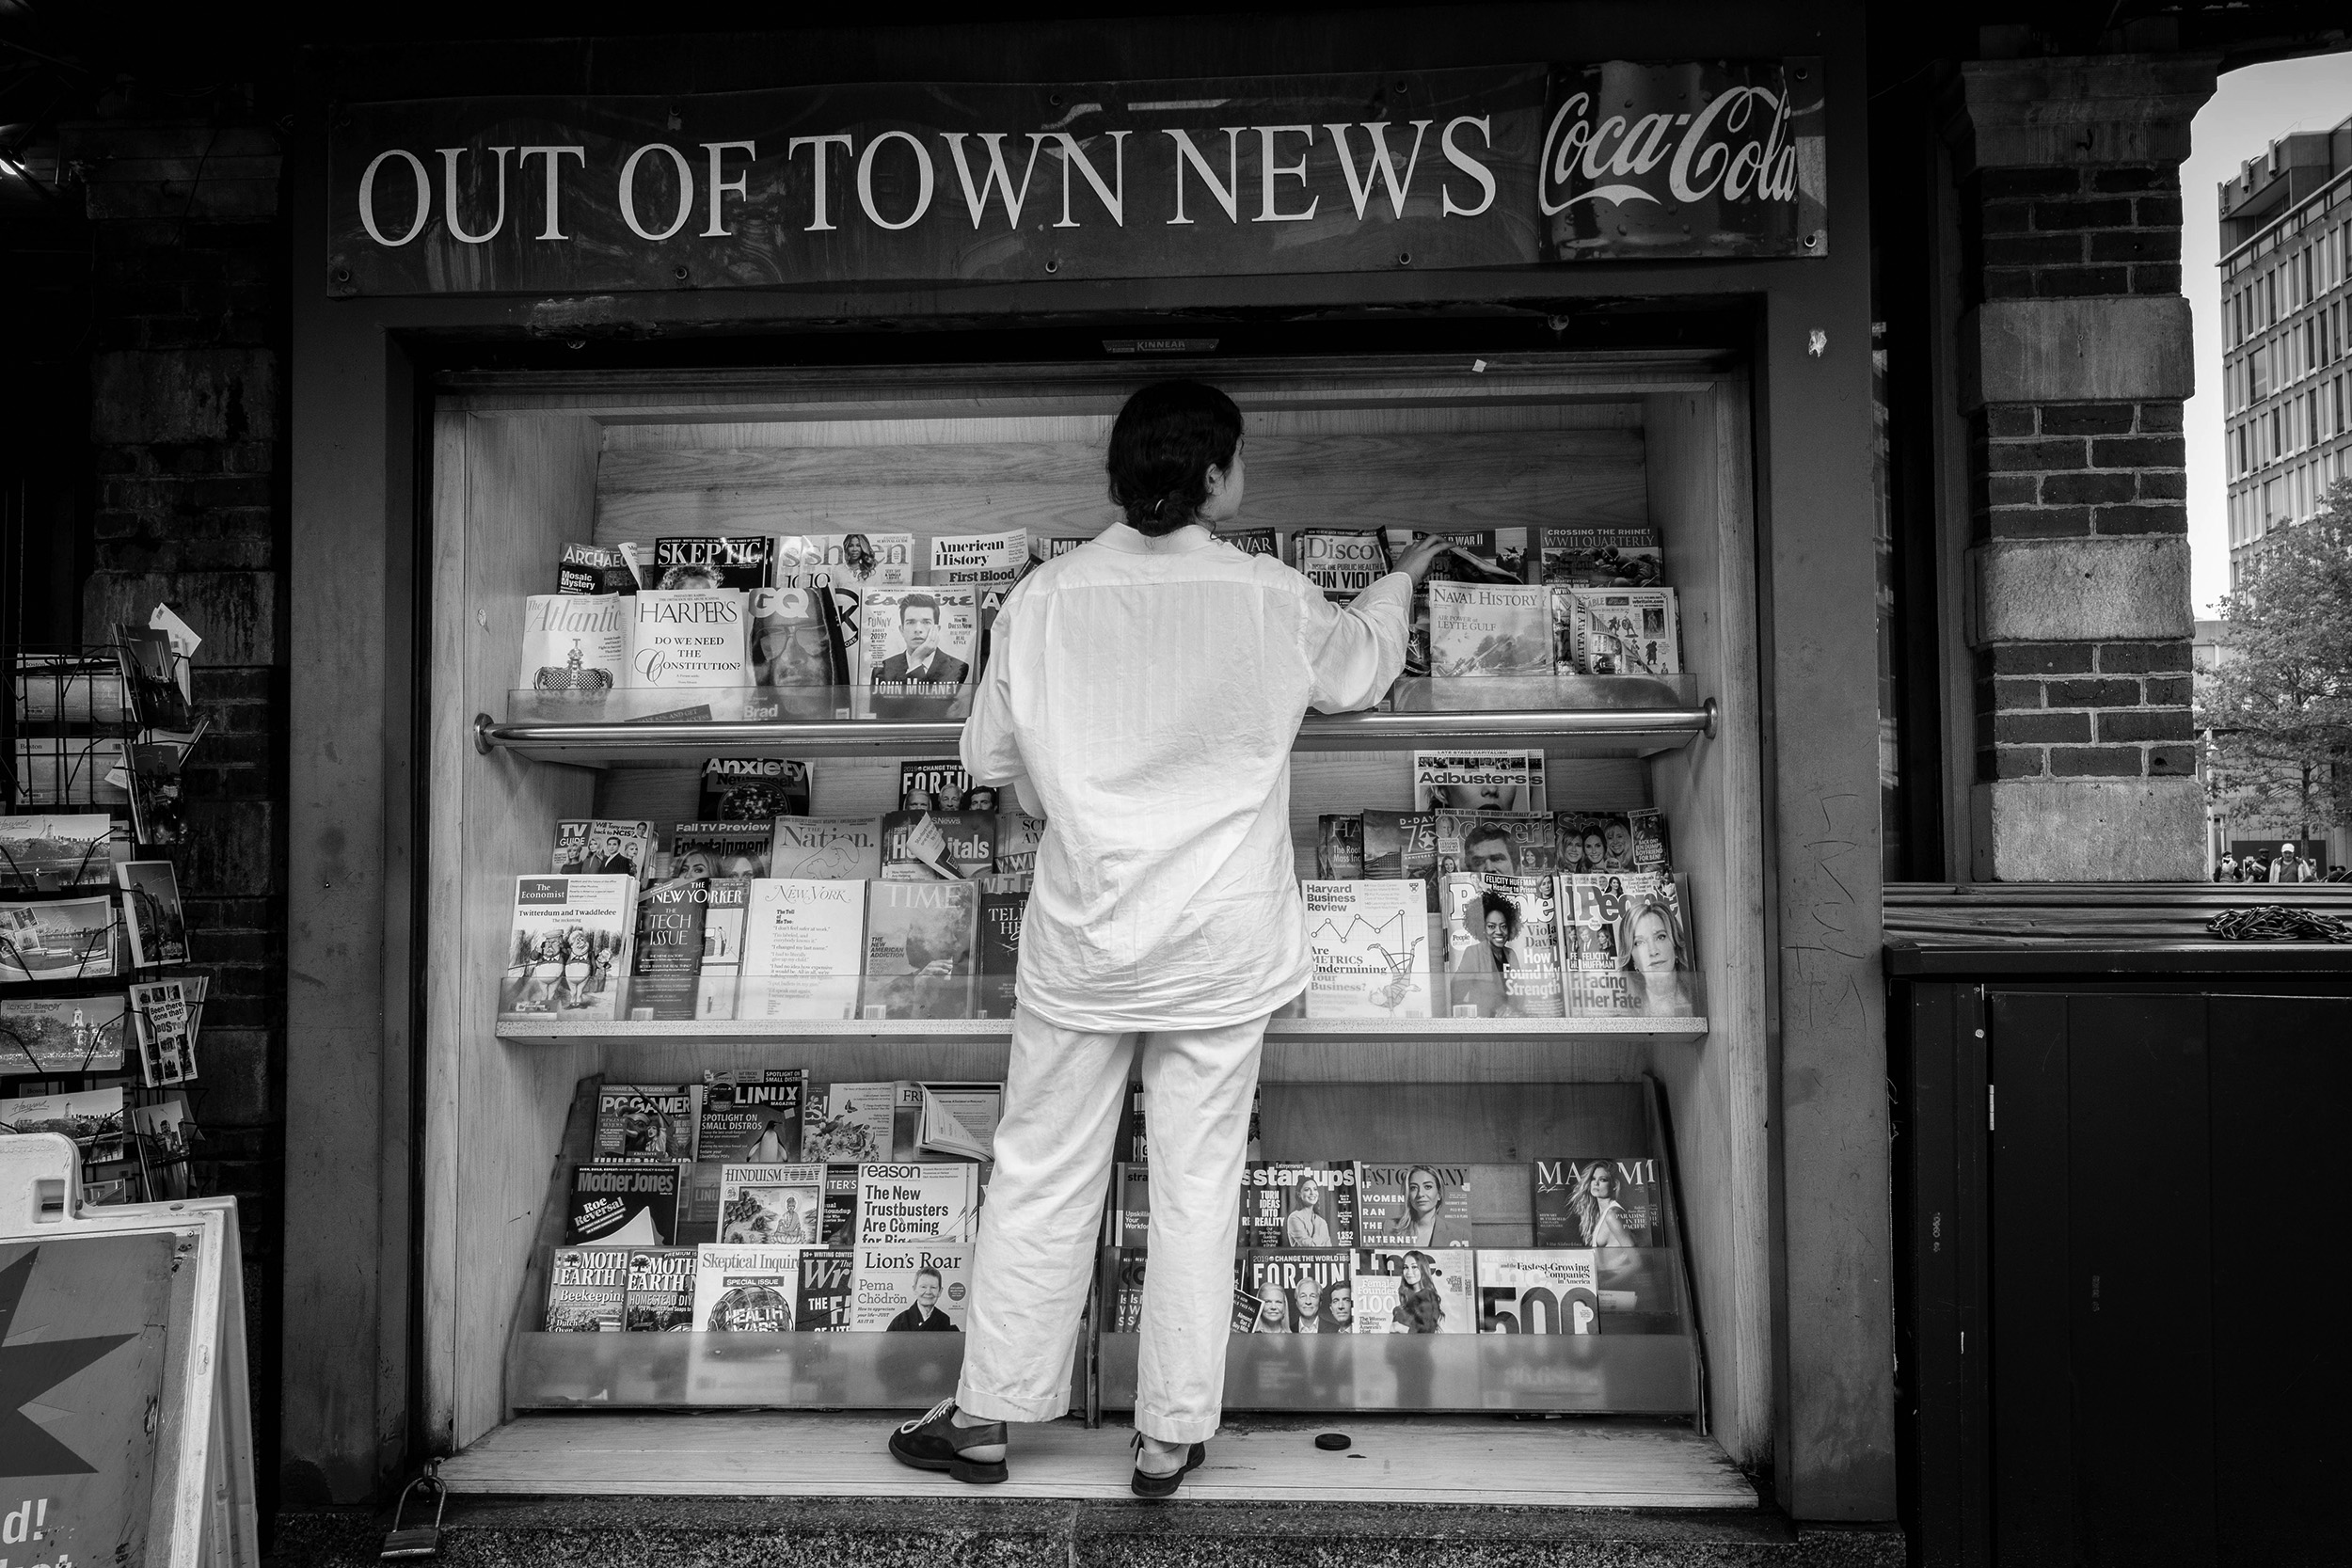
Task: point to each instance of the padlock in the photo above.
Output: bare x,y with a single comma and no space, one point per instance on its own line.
417,1542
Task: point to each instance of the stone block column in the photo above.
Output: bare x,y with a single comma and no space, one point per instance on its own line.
2075,359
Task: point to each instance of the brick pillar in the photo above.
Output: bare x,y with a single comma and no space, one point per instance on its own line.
189,311
2075,359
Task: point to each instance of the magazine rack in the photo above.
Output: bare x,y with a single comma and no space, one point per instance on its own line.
1604,440
96,728
1653,1364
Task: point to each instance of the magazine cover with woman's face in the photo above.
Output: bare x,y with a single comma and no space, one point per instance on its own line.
1654,947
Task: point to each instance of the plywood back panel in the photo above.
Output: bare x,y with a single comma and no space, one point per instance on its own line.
512,489
1432,466
1472,1123
1700,485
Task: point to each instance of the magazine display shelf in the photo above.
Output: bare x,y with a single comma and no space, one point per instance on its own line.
522,464
1658,1371
755,1029
1607,732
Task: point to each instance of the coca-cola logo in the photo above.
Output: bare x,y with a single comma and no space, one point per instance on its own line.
1736,148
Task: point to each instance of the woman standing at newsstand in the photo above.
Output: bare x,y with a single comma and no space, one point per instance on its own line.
1143,694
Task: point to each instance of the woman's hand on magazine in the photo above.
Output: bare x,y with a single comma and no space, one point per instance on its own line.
1416,562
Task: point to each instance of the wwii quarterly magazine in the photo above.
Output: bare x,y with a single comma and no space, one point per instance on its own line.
1602,556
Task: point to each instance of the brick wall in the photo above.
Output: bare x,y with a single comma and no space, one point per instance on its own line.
190,320
2046,233
2080,471
2077,351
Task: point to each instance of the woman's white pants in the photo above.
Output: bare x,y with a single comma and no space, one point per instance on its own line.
1043,1220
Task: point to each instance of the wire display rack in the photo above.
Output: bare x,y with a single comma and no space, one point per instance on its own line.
96,1028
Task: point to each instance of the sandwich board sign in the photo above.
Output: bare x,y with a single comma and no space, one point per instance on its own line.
125,1438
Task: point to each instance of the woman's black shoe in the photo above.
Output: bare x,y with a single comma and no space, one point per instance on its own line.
1165,1486
935,1442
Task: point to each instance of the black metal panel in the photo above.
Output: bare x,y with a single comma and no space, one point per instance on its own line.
2032,1417
2281,1084
1940,1122
2137,1229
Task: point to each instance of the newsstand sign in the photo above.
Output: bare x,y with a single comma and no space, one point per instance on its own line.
1505,166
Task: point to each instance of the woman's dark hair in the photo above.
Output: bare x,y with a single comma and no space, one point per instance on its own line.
1164,444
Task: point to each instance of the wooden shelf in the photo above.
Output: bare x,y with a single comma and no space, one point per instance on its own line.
1476,1461
757,1029
1596,732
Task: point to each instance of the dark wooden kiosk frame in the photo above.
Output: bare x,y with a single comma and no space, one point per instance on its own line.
371,1340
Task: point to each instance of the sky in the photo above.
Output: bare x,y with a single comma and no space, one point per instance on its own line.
2253,107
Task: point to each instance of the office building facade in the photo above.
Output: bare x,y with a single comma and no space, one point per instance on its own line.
2287,240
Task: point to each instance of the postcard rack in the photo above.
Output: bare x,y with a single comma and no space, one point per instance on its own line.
94,730
98,727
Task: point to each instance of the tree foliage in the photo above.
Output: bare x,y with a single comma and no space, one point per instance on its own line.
2280,702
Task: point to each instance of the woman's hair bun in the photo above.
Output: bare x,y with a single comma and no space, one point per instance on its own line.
1163,445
